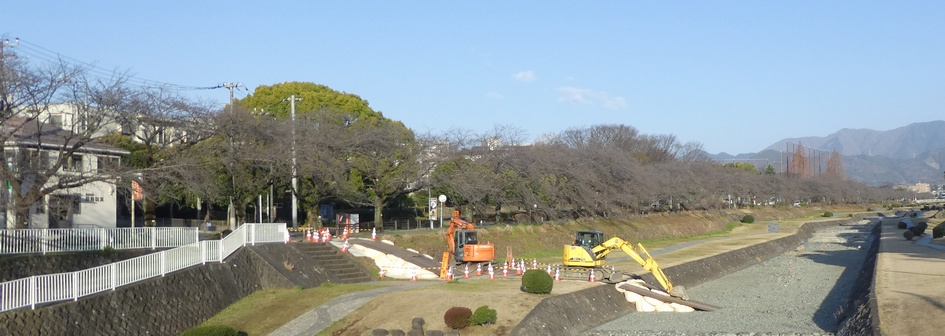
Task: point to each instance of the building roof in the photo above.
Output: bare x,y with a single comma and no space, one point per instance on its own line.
23,132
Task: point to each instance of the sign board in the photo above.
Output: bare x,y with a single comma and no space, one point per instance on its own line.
136,193
773,227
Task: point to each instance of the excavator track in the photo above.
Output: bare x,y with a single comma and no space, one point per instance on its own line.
601,274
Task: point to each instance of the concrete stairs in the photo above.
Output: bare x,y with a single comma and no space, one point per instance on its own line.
340,267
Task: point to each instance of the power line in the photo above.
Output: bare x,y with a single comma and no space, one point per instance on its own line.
36,51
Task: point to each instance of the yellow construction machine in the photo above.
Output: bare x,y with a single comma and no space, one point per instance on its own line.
587,255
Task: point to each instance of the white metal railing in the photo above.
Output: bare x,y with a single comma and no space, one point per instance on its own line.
21,241
29,292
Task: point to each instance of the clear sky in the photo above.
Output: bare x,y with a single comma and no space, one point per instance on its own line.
735,76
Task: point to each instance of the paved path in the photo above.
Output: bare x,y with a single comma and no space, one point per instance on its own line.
322,317
910,282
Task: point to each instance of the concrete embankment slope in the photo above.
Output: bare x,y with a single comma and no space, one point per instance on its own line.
580,311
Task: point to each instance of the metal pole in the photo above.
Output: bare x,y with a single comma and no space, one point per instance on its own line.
295,220
429,203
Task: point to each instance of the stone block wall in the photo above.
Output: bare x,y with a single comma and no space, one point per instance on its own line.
161,306
21,266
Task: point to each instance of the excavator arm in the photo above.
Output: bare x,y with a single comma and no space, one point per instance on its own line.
642,257
456,223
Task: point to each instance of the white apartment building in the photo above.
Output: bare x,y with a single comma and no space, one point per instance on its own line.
36,146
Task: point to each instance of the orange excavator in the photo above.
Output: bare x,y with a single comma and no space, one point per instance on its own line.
464,246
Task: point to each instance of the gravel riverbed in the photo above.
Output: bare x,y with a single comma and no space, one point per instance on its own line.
802,292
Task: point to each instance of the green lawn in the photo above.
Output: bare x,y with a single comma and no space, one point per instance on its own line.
266,310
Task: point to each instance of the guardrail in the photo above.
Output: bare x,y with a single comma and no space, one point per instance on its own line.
41,289
22,241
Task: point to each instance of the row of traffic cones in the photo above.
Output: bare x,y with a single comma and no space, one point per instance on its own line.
323,235
592,277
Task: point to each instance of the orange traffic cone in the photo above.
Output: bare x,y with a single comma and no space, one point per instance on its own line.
466,272
518,270
381,273
505,272
549,269
413,275
344,247
373,233
534,263
344,234
557,274
478,269
591,278
491,272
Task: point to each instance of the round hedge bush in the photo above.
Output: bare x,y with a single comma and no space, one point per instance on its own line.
939,231
748,219
457,317
483,315
828,214
537,282
210,330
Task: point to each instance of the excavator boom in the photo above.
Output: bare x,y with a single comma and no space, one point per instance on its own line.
589,250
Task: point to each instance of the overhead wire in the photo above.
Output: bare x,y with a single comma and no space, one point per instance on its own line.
47,55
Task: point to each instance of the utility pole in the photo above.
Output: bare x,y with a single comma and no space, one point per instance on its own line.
295,219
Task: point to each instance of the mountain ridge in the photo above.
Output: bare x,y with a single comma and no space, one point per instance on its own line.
904,155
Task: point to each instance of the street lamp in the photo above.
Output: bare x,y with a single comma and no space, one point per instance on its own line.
442,200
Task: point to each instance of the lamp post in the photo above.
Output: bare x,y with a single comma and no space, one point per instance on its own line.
442,200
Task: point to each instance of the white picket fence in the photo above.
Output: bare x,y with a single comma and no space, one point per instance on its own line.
40,289
22,241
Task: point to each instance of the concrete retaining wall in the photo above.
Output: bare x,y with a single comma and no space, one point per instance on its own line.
22,266
167,305
576,312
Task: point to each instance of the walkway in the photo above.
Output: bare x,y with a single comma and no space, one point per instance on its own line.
910,282
322,317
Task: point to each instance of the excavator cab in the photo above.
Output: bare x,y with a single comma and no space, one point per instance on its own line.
581,253
589,239
462,238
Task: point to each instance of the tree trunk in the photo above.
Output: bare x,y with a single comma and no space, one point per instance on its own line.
312,218
378,213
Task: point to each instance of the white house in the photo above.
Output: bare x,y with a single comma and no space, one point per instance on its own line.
33,145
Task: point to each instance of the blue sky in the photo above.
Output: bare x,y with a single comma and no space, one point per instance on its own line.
735,76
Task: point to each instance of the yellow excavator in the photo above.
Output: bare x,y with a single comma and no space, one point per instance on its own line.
588,252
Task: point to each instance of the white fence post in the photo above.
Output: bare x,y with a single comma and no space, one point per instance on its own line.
114,276
44,240
102,237
33,292
75,286
163,263
153,237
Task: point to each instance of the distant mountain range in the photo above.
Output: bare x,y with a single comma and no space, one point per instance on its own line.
905,155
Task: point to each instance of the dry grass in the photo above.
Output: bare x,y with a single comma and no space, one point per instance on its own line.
255,315
544,242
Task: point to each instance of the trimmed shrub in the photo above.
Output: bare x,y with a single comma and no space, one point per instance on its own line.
939,231
457,317
537,282
483,315
919,229
828,214
210,330
748,219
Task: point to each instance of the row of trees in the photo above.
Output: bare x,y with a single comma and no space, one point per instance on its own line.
343,152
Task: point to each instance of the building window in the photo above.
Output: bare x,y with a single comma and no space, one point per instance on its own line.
55,121
40,206
73,163
107,164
